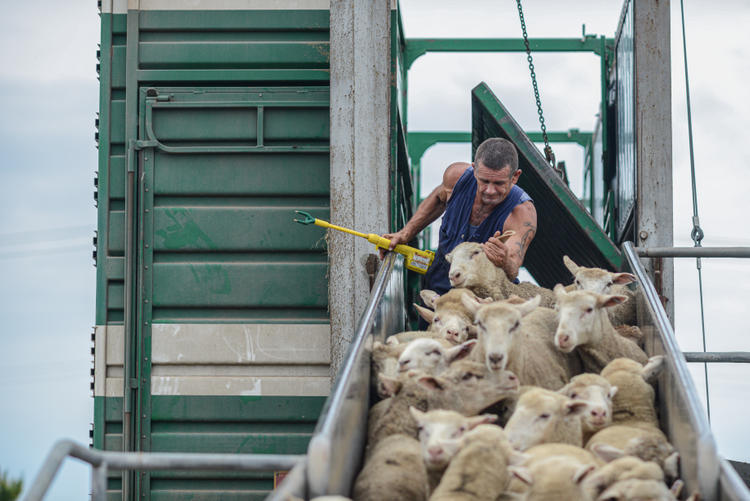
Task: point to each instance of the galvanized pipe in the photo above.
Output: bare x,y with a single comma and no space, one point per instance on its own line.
731,252
719,357
151,461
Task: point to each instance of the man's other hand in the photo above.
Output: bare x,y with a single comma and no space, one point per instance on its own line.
496,251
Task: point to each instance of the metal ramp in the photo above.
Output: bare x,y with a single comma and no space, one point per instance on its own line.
336,449
564,224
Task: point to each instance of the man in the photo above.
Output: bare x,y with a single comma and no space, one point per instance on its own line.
480,201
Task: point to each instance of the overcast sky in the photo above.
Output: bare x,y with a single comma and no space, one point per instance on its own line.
49,99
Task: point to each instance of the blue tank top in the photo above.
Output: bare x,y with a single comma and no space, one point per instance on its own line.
455,227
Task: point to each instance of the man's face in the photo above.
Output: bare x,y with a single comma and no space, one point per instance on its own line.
494,185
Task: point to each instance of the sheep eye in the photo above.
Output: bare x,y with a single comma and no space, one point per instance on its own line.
436,320
544,416
515,326
574,395
434,352
610,284
589,309
467,376
578,283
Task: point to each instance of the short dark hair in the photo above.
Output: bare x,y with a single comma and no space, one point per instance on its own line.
496,153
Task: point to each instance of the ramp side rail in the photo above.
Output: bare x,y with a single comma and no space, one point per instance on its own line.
683,417
102,461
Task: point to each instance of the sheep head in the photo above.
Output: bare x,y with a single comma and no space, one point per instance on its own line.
496,323
596,279
582,317
470,266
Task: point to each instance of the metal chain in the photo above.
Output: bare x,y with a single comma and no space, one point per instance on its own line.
547,149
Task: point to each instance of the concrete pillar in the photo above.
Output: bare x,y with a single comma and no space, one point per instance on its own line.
653,119
360,156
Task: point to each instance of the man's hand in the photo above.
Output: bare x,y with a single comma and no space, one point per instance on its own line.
496,251
401,237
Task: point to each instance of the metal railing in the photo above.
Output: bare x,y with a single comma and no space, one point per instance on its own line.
724,357
103,461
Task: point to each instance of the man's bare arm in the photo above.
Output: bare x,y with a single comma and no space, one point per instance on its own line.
431,207
510,255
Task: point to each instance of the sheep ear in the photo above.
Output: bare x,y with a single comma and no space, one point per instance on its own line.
471,304
481,419
575,406
623,278
416,414
581,473
606,300
612,392
432,382
570,265
460,351
449,257
559,291
389,385
676,488
425,313
653,368
429,297
672,465
607,453
530,305
521,473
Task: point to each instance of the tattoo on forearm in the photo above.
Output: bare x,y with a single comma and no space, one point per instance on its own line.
525,240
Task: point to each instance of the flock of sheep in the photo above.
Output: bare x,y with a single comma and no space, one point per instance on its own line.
566,390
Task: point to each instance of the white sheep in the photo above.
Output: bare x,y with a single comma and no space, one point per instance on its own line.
624,468
552,472
409,336
584,325
634,400
447,315
518,337
543,416
454,390
430,356
636,489
478,471
394,470
641,440
471,268
441,435
597,392
606,282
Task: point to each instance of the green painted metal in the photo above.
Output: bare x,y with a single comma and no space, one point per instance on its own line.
281,425
416,47
564,225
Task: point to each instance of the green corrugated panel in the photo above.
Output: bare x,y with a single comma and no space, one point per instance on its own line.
564,224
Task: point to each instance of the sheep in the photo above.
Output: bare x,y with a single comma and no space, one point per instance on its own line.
441,435
544,416
552,472
641,440
430,356
409,336
478,471
471,268
624,468
469,397
519,337
449,318
584,324
394,470
606,282
634,400
635,489
597,393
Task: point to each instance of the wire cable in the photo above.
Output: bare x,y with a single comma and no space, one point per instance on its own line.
697,233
